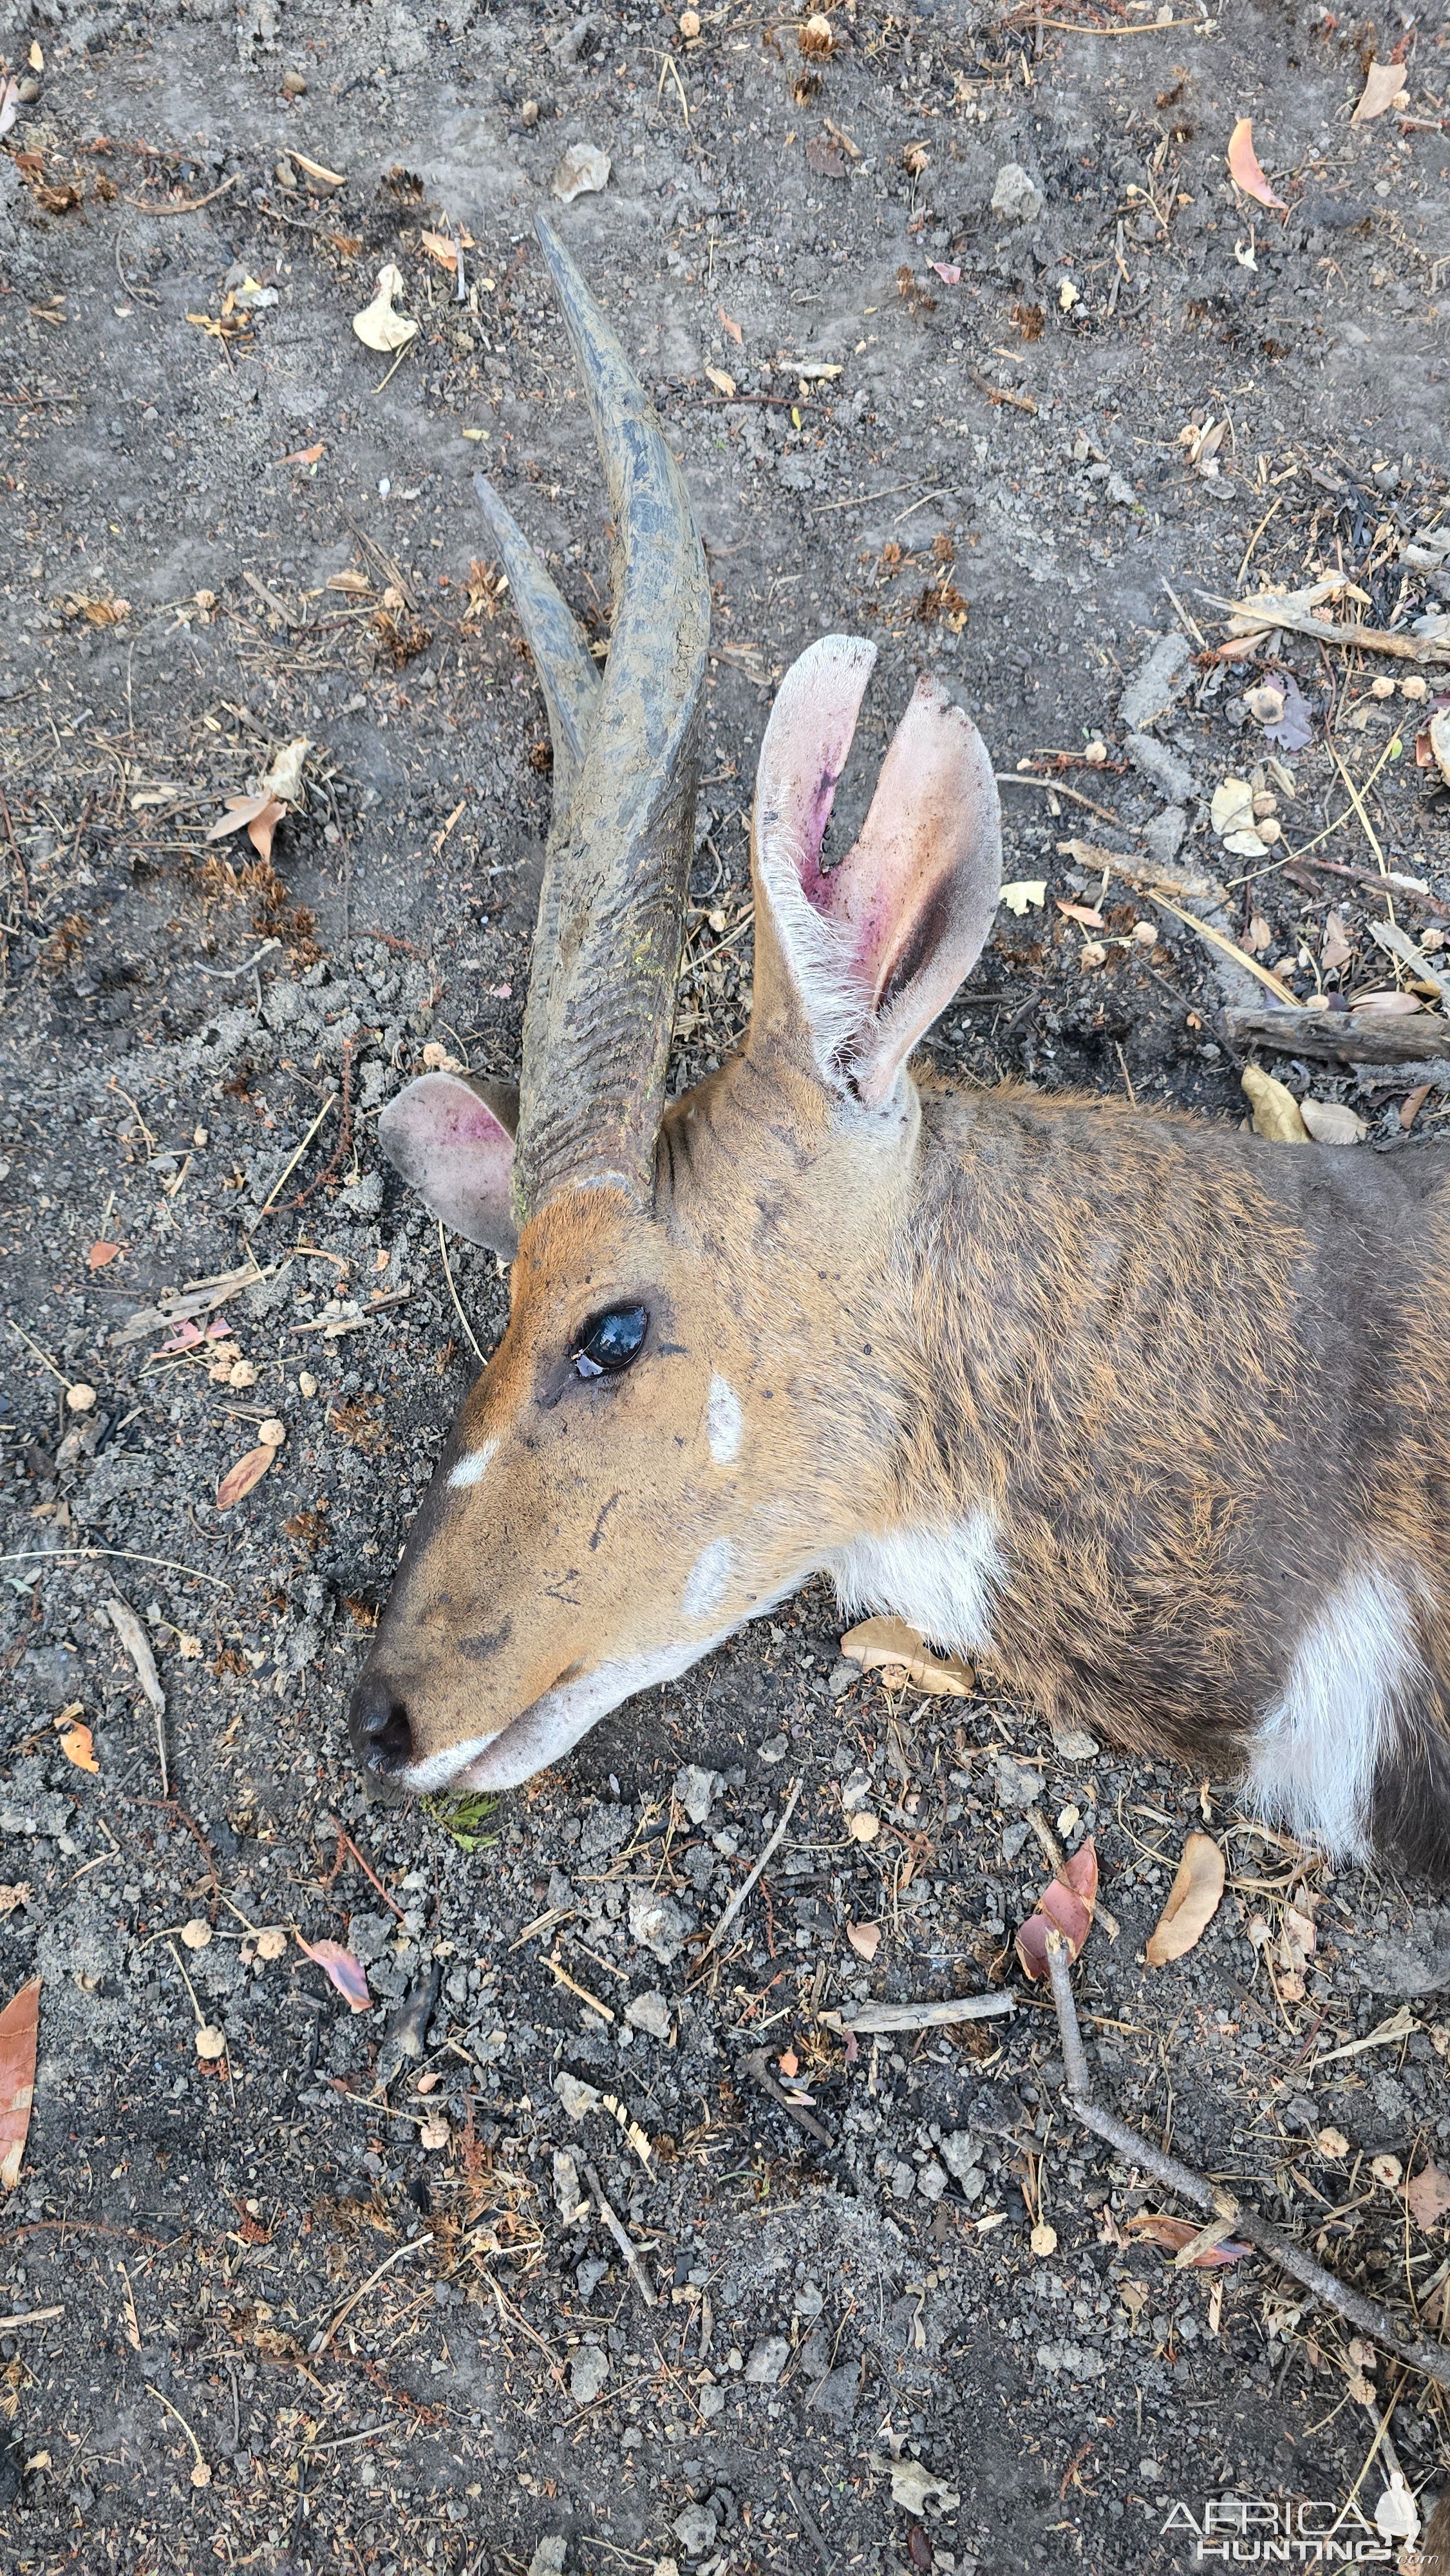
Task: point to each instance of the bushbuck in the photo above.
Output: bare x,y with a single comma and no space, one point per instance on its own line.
1150,1413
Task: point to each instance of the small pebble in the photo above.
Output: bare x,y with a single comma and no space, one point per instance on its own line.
196,1934
294,84
307,1383
211,2043
529,112
79,1398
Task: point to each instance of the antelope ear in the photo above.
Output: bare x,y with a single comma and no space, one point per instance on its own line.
868,953
451,1136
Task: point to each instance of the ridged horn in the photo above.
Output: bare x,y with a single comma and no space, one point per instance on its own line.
611,910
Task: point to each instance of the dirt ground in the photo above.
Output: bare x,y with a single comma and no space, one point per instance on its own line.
314,2301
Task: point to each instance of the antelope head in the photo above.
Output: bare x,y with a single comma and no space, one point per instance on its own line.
706,1380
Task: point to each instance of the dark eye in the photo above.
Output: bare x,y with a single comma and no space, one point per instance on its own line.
612,1341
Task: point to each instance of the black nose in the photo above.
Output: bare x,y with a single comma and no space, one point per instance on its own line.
378,1722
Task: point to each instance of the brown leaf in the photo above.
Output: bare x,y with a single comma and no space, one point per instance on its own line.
319,171
439,247
731,329
76,1745
1243,166
722,383
347,1973
1384,83
243,812
1276,1111
865,1939
19,2026
1174,2233
892,1641
102,1253
1066,1905
1427,2198
1192,1903
240,1479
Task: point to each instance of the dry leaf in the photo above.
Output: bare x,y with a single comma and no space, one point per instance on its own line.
318,172
76,1745
1332,1122
12,1898
439,247
1066,1905
1427,2198
1192,1901
1174,2233
19,2027
1026,890
284,778
1276,1111
722,383
102,1253
9,103
1439,740
356,584
915,2489
891,1641
1232,809
731,329
583,171
346,1972
865,1939
378,326
1384,86
1243,167
1081,912
258,816
240,1479
1387,2171
138,1646
1336,950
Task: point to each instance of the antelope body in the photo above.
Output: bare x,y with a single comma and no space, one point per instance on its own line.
1150,1413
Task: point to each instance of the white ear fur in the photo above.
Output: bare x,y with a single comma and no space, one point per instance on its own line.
876,947
451,1138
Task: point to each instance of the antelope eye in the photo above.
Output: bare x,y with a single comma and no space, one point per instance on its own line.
610,1343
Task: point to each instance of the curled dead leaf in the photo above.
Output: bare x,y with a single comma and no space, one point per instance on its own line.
284,778
76,1745
346,1972
1332,1122
247,1472
19,2029
1276,1111
1067,1905
865,1939
1384,86
1243,166
378,326
722,383
1193,1901
439,247
258,816
318,172
1438,737
886,1642
1427,2197
1173,2234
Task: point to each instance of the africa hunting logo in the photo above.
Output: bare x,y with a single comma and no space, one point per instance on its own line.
1253,2531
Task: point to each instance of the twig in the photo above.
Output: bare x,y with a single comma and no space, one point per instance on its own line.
133,1637
1389,884
205,2478
585,1997
321,2341
331,1168
369,1872
627,2247
290,1167
880,2017
1357,801
191,206
1368,2314
1055,787
757,2067
453,1293
1003,393
169,1806
741,1893
34,2317
1346,1037
193,1573
800,2506
1228,948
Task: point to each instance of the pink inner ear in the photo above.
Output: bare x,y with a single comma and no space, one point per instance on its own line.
456,1152
893,889
806,747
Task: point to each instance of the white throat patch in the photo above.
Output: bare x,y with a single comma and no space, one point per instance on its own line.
469,1470
940,1576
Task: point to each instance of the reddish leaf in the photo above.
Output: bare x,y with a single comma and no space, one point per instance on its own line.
346,1972
1174,2233
102,1253
733,328
78,1748
19,2024
1427,2198
258,816
1067,1905
948,272
1243,166
240,1479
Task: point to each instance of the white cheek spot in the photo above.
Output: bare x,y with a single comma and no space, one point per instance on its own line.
724,1421
1319,1746
709,1576
469,1470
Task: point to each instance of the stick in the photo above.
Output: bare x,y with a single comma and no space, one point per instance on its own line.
320,2342
741,1893
453,1293
1387,885
1368,2314
1261,616
881,2017
191,206
758,2069
627,2247
1351,1037
585,1997
1055,787
35,2317
133,1637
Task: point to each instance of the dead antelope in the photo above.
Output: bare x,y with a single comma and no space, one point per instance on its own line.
1150,1413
